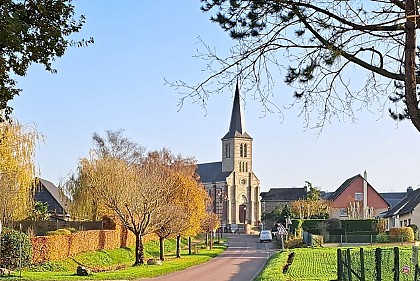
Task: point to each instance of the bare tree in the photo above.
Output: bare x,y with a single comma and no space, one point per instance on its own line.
321,40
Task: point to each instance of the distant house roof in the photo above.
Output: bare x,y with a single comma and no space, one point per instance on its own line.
406,205
346,184
46,191
341,188
393,198
212,172
286,194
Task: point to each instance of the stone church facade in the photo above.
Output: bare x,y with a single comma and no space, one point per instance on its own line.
231,183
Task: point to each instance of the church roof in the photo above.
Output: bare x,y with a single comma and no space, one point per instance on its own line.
237,125
212,172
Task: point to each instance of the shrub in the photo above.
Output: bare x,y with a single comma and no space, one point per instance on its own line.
16,247
61,231
294,243
334,223
416,231
382,238
317,240
401,234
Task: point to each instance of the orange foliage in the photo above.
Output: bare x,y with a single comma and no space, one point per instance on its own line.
59,247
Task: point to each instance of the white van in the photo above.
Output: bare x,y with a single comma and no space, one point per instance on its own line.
265,236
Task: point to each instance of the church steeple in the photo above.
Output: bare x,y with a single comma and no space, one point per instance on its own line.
237,125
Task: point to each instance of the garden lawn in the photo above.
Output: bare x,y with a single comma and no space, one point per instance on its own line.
117,264
315,264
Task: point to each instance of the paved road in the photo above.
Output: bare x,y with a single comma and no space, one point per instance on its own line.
242,261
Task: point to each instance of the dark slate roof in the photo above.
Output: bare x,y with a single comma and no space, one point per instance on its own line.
393,198
406,205
211,172
55,193
342,187
285,194
237,125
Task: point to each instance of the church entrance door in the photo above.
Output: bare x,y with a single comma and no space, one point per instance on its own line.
242,213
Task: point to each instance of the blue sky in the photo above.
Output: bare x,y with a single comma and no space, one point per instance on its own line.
118,83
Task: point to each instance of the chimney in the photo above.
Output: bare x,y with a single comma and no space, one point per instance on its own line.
365,206
409,190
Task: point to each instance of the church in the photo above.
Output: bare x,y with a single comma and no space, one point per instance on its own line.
231,183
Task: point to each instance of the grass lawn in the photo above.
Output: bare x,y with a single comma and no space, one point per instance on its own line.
320,264
117,264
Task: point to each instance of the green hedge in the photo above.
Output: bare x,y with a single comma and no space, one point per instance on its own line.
359,225
346,225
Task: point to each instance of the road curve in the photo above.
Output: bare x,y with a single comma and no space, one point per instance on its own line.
242,261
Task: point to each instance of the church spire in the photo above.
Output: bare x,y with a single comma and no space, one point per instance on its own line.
237,125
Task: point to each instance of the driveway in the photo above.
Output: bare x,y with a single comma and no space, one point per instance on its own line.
242,261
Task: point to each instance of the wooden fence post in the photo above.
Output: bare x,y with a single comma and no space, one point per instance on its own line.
362,265
396,264
378,264
348,263
339,266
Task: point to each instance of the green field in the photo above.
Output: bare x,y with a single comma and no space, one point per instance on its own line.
320,264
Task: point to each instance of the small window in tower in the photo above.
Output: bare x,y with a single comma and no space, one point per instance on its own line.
245,150
246,166
226,150
240,167
241,150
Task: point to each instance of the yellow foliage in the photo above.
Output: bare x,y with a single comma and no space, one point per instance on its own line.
17,151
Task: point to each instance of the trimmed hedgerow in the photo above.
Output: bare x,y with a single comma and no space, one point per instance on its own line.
401,234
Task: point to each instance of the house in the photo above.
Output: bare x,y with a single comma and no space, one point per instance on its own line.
279,196
46,192
231,183
393,198
406,212
356,198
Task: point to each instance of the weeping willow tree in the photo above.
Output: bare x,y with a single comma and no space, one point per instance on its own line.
17,170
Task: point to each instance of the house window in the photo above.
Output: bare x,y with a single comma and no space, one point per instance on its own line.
358,196
409,221
343,212
401,223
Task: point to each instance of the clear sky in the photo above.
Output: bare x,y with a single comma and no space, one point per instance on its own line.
118,83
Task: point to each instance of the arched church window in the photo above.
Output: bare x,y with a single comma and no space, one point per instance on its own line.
245,150
246,166
228,150
241,150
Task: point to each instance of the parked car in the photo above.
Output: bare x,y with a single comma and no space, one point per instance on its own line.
265,236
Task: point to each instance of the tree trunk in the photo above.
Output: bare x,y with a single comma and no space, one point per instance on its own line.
139,249
178,246
411,99
211,240
189,245
207,239
161,249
